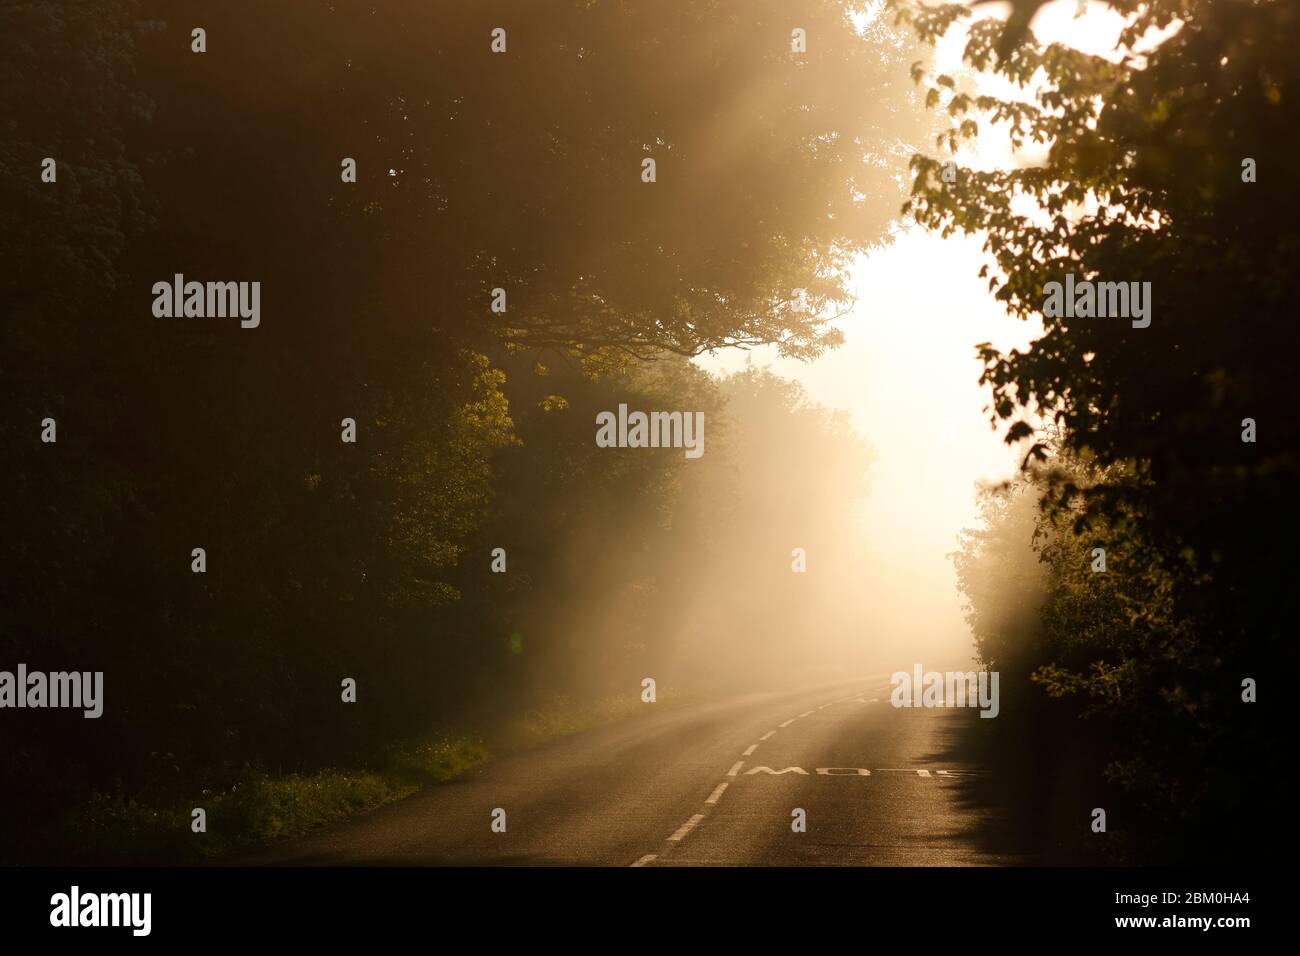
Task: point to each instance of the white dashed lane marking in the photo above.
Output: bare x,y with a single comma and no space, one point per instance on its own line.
685,828
713,797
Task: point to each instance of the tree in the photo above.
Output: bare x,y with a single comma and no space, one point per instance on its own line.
1145,180
476,171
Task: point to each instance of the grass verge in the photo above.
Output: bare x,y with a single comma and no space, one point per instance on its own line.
261,808
264,808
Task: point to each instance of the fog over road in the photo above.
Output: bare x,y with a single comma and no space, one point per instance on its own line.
705,784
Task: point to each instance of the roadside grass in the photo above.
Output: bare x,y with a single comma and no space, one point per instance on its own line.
264,808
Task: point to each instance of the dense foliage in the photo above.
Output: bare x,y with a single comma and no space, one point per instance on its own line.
1145,178
476,171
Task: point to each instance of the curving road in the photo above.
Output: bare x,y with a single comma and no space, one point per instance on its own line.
704,784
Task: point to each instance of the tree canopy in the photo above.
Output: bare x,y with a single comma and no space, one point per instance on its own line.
476,170
1169,164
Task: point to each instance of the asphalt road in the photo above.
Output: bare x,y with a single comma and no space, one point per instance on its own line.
704,784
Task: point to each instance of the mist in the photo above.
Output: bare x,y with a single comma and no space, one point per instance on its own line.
907,378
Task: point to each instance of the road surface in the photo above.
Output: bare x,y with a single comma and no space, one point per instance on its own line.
712,784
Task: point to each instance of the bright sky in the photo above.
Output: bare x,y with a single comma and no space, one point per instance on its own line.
908,375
